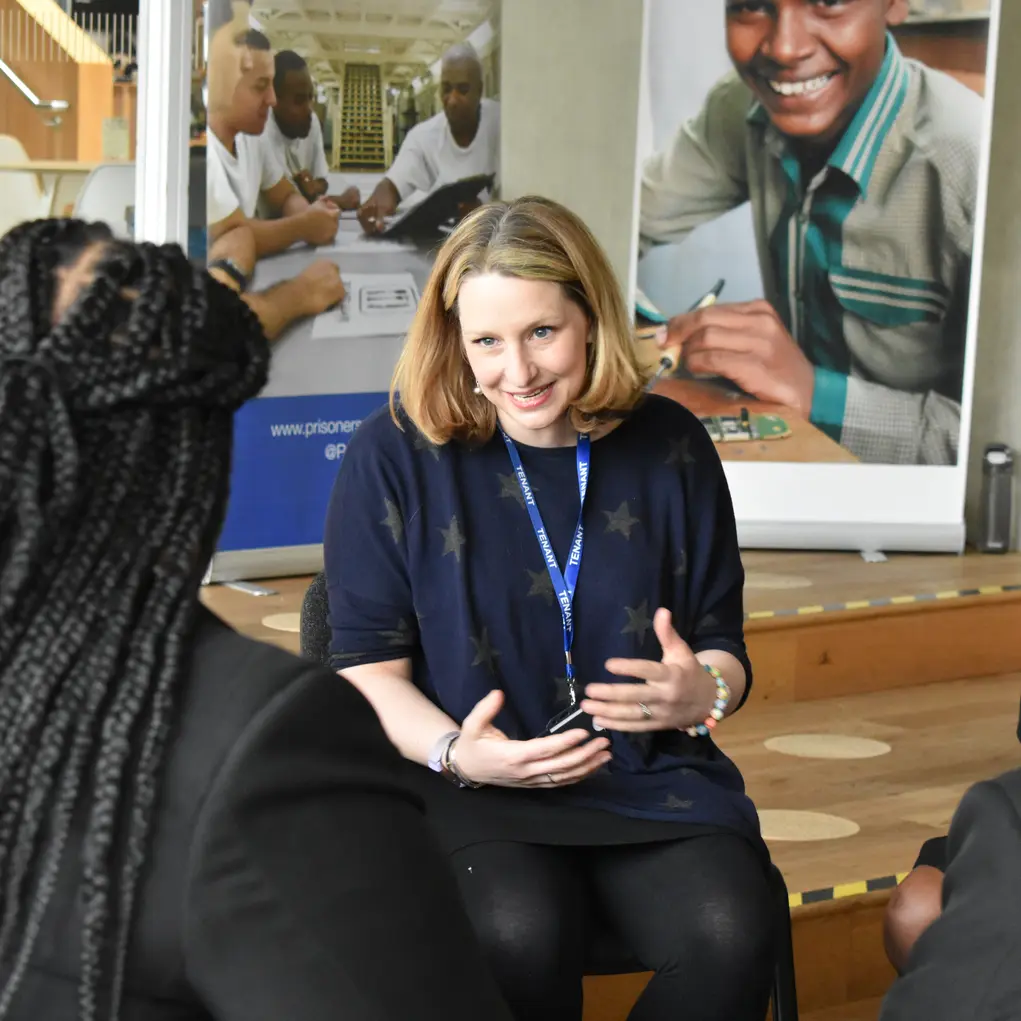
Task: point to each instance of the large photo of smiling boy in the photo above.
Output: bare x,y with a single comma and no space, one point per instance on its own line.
861,169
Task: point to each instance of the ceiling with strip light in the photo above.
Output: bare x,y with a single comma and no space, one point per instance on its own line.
404,37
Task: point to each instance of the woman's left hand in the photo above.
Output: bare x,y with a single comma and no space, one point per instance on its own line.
678,691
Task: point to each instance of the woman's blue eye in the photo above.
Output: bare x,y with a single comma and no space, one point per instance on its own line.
542,332
485,341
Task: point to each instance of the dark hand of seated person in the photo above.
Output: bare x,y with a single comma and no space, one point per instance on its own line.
373,213
322,287
486,755
320,222
349,199
747,343
309,187
678,692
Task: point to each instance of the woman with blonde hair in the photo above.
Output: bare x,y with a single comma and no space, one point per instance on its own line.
534,578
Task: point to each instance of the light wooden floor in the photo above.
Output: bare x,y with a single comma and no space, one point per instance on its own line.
777,580
943,736
864,1010
246,613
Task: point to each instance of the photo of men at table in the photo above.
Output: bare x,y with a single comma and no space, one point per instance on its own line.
410,121
861,169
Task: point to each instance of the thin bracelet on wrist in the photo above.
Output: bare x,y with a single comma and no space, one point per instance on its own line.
450,761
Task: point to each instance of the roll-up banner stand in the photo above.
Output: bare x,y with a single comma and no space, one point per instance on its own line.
816,183
377,111
830,168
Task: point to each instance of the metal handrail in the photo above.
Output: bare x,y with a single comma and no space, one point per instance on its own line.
39,104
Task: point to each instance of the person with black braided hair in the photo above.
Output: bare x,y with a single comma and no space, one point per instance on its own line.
193,826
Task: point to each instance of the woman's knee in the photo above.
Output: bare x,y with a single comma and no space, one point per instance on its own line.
525,919
914,905
735,927
717,915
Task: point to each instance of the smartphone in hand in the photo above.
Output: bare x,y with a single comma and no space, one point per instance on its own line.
572,718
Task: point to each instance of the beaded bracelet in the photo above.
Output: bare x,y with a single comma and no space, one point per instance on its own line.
719,708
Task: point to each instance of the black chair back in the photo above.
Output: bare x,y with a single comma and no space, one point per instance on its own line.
315,621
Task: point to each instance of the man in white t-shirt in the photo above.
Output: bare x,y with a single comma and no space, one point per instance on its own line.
294,137
239,171
462,141
226,26
237,174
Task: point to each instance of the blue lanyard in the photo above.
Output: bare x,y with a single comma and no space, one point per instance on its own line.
564,583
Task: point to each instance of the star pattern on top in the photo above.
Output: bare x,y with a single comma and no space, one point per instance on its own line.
453,538
638,621
421,443
676,804
707,622
401,636
485,654
682,564
680,451
541,585
510,489
393,519
620,520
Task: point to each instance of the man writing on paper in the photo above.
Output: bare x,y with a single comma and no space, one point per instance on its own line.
462,141
293,136
861,168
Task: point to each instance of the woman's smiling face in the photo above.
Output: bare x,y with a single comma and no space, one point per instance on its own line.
526,342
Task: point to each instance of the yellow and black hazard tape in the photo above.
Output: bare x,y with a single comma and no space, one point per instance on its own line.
867,604
829,893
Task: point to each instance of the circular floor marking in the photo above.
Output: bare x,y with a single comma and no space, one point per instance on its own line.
283,621
827,746
781,824
755,580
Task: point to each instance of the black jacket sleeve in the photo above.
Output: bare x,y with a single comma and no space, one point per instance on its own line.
968,963
316,890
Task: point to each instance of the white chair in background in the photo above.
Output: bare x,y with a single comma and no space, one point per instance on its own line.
108,194
21,195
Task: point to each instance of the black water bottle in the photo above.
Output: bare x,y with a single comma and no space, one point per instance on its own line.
997,499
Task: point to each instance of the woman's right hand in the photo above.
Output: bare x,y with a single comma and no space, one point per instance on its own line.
484,753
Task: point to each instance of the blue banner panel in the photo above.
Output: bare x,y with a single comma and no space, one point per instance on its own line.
286,454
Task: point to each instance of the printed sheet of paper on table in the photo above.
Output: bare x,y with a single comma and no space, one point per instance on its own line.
376,305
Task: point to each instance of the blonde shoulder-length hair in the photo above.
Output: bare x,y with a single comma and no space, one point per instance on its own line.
532,239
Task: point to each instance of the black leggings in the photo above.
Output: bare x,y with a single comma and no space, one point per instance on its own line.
698,912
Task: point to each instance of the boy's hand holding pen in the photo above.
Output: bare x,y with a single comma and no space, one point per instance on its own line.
660,334
745,343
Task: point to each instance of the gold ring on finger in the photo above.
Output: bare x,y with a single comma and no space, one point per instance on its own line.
646,711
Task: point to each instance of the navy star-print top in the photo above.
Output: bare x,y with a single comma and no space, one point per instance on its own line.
430,555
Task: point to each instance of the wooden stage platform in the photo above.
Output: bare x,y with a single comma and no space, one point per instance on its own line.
914,662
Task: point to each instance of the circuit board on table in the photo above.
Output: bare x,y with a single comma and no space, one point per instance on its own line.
744,427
